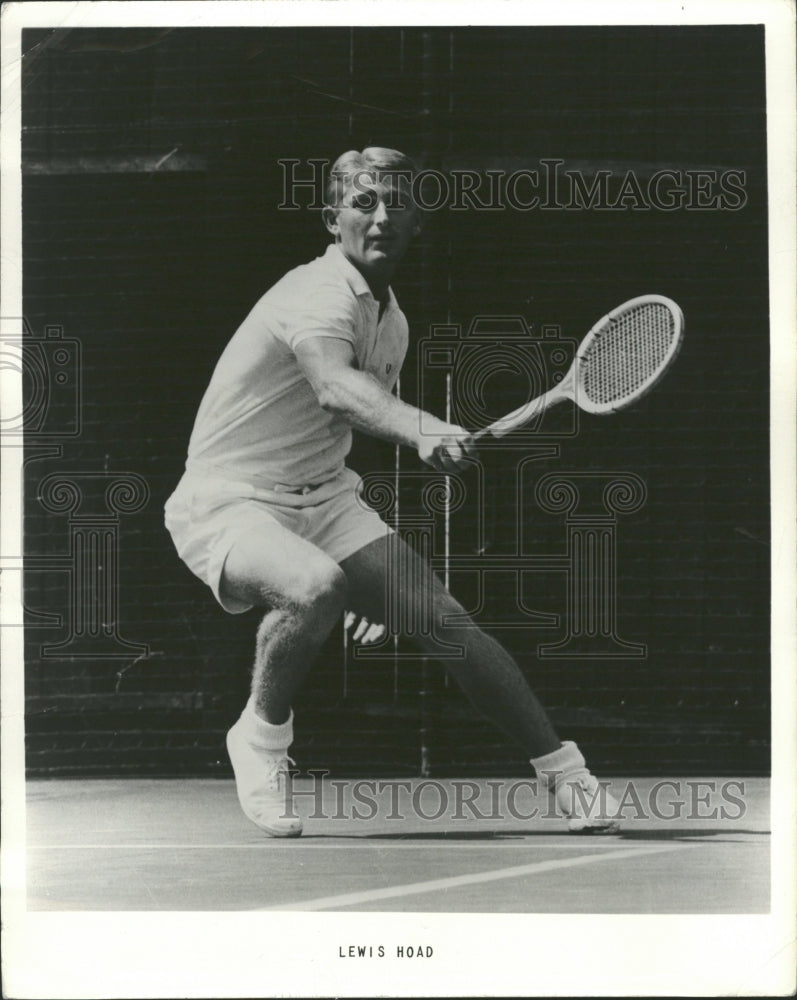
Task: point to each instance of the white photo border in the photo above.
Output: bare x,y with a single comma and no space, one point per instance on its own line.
291,954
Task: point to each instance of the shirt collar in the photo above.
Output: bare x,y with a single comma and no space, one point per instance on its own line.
358,283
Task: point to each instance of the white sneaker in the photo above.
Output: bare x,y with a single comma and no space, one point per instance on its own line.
584,800
587,803
262,780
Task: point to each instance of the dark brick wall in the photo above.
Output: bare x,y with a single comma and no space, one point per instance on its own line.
150,227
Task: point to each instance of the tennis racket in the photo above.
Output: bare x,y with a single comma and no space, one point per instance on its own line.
620,360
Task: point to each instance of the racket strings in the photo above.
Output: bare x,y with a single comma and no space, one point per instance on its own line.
628,353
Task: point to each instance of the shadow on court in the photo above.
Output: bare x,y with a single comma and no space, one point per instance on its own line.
526,834
679,834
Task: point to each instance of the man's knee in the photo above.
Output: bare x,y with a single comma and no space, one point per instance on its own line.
319,591
298,578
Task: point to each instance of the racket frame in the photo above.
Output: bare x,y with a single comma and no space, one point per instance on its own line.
600,328
570,386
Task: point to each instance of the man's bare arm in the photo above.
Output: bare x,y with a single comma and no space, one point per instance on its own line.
356,396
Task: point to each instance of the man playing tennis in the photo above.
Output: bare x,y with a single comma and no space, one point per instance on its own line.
267,513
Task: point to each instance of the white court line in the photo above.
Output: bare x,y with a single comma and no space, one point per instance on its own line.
455,881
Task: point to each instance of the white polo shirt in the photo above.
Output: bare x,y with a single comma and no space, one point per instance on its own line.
260,420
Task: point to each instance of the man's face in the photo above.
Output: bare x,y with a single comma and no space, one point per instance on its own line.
375,222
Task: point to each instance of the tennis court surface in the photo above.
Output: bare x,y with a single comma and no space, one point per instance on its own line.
168,844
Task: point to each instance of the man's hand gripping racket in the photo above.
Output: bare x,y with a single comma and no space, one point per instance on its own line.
620,360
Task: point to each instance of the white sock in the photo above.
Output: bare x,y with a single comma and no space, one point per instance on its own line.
263,734
559,763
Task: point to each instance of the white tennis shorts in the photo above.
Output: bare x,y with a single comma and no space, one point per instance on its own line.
206,516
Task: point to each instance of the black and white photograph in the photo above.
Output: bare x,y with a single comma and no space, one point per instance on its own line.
398,439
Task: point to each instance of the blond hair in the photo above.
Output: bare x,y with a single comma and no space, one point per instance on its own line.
377,159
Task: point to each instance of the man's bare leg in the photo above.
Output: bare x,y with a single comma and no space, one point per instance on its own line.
304,590
486,672
377,579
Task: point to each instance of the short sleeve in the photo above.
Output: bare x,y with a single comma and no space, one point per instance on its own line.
328,311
